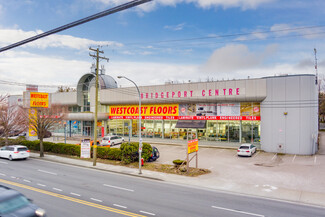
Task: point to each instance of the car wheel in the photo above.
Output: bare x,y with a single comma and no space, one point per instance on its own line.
10,157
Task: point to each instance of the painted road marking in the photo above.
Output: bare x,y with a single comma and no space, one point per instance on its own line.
44,171
12,177
120,188
294,158
61,196
148,213
41,185
57,189
237,211
75,194
1,174
120,206
315,160
96,200
3,162
25,180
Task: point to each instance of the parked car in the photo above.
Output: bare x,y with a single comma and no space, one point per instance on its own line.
246,150
154,155
14,152
111,140
13,203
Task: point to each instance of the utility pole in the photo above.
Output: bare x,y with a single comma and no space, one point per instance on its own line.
317,82
96,100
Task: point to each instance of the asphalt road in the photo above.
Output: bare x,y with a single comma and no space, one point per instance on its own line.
64,190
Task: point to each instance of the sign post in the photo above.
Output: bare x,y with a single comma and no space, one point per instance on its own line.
85,148
192,147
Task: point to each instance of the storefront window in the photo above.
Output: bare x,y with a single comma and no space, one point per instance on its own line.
167,130
149,128
257,132
174,131
222,131
246,131
126,127
234,128
158,129
211,131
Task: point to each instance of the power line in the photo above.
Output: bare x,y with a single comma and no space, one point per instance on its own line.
78,22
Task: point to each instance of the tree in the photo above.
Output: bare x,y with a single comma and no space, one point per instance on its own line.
65,89
12,121
43,120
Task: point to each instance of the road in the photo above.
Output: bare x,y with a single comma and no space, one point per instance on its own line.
64,190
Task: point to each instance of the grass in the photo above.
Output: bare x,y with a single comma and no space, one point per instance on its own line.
152,166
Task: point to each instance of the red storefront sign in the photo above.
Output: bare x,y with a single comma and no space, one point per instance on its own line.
226,118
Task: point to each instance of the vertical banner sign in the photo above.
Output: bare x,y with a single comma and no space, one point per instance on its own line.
85,148
32,115
39,100
192,146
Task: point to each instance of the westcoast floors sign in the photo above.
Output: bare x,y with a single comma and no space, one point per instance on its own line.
228,111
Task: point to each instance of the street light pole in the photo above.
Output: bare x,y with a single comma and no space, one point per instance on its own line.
140,140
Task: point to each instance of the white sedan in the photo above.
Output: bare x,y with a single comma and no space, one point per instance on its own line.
246,150
14,152
111,140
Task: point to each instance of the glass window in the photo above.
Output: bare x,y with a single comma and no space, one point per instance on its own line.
149,128
246,131
234,128
158,129
12,204
211,131
167,129
222,131
257,131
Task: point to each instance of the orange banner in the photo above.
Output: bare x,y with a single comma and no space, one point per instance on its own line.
192,146
146,110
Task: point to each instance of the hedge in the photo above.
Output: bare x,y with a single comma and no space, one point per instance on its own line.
126,153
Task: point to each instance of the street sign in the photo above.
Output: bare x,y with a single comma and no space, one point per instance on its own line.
85,148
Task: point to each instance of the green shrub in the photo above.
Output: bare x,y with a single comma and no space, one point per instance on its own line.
179,162
130,152
108,153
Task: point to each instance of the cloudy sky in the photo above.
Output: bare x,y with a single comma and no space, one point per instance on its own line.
160,41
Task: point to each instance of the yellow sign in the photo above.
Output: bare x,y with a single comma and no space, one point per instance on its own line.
192,146
39,100
146,110
32,117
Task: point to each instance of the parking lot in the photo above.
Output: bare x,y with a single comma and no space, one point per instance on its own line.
263,170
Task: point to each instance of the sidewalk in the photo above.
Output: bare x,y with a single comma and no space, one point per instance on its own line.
284,177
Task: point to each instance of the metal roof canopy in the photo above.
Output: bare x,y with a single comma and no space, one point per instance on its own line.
191,124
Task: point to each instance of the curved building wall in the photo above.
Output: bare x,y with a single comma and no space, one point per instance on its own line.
289,122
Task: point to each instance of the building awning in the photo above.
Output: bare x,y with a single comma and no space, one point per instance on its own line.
191,124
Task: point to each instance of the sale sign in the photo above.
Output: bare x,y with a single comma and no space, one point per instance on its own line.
192,146
39,100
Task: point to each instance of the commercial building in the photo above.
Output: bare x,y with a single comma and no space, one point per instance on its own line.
278,114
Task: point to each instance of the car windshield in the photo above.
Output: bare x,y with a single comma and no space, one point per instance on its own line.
244,147
22,149
13,204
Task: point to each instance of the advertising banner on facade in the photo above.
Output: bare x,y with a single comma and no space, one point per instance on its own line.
200,111
39,100
146,110
228,109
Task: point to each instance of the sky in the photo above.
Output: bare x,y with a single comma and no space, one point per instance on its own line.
160,41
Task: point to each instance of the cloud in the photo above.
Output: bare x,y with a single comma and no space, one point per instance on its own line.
205,4
29,68
176,27
235,57
10,36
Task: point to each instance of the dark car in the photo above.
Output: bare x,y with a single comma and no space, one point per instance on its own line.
13,203
154,155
